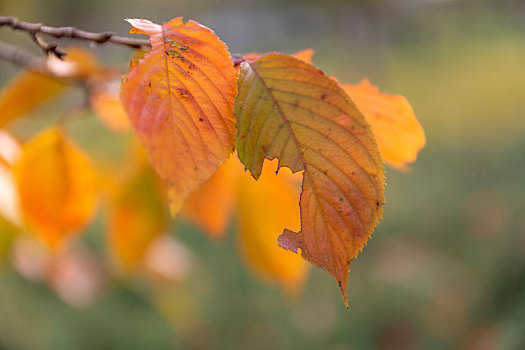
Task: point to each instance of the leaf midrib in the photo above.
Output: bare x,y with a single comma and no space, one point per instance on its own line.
296,142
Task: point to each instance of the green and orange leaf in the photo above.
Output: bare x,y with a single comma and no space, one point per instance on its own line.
57,186
179,99
398,133
290,110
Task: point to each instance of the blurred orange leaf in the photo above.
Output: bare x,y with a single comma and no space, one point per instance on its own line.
290,110
57,186
179,98
265,208
398,133
137,215
25,92
210,205
305,55
29,90
108,107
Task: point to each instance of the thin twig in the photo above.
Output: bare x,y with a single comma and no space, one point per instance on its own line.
22,58
34,29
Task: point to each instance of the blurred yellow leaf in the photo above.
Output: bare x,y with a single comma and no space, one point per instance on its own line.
25,92
57,186
265,208
210,205
137,215
29,90
305,55
398,133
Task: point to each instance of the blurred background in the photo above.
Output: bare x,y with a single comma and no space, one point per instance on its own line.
444,269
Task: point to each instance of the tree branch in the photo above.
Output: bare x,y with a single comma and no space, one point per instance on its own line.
22,58
35,29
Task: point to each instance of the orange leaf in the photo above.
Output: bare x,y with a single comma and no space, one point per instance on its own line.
398,133
179,98
137,215
210,205
29,90
290,110
305,55
108,107
265,208
57,186
26,92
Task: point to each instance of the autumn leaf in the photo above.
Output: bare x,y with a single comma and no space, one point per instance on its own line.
288,109
305,55
30,90
27,91
210,206
107,106
398,133
137,215
265,208
57,186
179,99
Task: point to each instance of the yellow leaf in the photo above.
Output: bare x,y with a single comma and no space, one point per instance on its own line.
290,110
210,205
179,99
397,130
137,215
26,92
57,186
29,90
265,208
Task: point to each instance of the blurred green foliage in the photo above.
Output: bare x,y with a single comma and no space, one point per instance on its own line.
446,267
